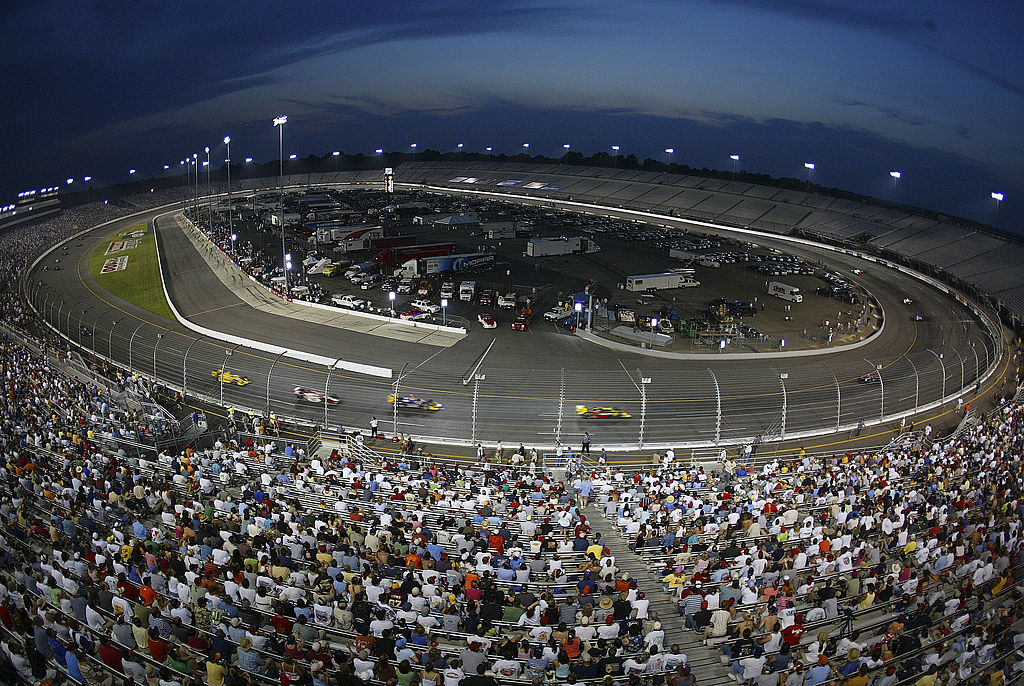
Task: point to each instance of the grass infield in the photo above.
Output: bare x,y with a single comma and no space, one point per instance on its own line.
139,281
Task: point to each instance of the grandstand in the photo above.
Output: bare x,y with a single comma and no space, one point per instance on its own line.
246,560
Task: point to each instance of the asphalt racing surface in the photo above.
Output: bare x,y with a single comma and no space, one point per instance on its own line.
526,386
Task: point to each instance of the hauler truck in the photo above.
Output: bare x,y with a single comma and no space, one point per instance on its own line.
786,292
657,282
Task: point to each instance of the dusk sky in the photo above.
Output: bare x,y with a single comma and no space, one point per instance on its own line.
934,89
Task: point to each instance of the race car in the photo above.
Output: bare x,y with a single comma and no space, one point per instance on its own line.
601,412
918,318
486,321
415,315
868,378
411,402
521,323
316,397
225,376
908,301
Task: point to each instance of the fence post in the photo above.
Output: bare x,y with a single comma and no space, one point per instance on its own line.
81,325
270,375
963,383
327,388
394,407
938,356
718,408
156,347
877,368
917,383
839,396
130,342
184,368
477,378
561,401
644,380
67,325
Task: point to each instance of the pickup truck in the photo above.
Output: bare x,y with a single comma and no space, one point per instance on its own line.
507,300
425,305
349,301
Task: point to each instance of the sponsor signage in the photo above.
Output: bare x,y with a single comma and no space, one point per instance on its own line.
114,264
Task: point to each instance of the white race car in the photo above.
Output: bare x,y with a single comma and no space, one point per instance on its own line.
308,395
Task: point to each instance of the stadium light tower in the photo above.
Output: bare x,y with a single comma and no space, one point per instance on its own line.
896,176
998,197
231,229
489,150
809,166
209,190
279,122
735,164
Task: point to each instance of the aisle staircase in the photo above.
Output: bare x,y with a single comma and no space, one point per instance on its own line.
705,662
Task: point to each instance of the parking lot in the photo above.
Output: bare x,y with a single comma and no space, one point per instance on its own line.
731,303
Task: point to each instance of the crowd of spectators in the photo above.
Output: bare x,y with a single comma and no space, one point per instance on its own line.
866,567
240,564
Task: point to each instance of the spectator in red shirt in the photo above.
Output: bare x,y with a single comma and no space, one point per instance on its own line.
158,648
111,656
282,624
792,633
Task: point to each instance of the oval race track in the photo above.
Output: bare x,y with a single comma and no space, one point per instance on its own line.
529,390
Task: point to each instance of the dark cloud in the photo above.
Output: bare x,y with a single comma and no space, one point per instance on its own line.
889,112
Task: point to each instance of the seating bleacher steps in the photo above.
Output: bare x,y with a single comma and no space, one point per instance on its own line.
707,667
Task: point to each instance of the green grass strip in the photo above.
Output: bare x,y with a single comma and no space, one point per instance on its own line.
139,282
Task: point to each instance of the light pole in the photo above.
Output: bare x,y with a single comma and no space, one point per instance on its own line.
231,229
444,311
809,166
413,146
579,308
195,188
735,164
668,155
280,122
460,146
209,191
615,158
391,299
489,150
526,149
998,197
565,155
131,185
654,327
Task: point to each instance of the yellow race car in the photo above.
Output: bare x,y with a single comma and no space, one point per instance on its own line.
225,376
601,412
